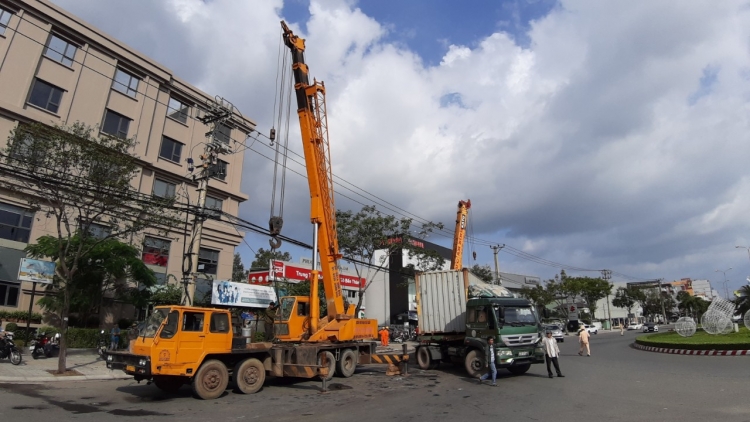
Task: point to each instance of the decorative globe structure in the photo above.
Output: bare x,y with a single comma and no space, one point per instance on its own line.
685,326
747,320
715,322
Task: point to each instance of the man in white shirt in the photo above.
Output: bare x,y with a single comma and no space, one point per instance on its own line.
551,352
489,362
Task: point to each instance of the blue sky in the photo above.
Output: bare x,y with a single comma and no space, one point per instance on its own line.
428,28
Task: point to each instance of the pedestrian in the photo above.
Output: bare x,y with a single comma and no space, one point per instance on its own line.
551,352
385,335
114,338
583,335
622,329
489,362
270,317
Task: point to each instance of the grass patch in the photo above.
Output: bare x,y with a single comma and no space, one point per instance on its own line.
701,340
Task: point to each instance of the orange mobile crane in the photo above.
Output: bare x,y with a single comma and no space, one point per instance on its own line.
460,234
202,347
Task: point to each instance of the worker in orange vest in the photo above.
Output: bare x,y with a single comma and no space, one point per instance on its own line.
384,334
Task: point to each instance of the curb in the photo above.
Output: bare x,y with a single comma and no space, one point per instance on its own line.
692,352
27,380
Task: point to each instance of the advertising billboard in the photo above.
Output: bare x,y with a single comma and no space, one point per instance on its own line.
281,270
228,293
36,271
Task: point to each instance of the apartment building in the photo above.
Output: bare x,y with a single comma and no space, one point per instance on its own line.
57,69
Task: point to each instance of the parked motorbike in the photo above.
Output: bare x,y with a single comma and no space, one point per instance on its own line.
101,348
37,345
9,350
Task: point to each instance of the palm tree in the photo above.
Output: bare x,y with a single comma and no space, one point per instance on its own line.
743,301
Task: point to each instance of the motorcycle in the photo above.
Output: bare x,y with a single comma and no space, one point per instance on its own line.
9,350
37,346
101,348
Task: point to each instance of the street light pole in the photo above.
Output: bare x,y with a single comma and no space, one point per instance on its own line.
726,292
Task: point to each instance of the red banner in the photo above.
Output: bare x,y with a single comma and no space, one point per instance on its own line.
282,270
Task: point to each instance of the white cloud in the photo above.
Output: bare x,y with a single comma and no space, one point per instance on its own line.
584,147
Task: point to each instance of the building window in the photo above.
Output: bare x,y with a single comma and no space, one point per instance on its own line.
4,20
219,170
9,294
223,133
170,149
125,83
351,294
208,261
192,321
155,252
15,223
60,50
116,124
178,110
163,189
45,96
214,203
99,231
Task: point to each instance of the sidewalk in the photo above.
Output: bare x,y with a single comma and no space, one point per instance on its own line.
84,361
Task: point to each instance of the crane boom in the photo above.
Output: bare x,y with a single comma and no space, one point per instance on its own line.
311,109
459,234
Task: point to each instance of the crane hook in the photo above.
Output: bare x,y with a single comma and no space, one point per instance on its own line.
274,228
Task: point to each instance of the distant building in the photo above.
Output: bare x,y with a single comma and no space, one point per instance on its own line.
703,289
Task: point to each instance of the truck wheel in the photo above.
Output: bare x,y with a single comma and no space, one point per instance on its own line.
211,380
424,358
474,363
519,370
168,384
249,375
331,363
348,363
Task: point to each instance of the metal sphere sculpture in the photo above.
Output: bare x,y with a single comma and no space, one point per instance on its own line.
716,322
747,320
685,326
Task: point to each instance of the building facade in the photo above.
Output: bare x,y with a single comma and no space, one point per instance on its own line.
57,69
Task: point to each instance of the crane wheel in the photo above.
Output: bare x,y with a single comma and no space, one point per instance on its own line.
211,380
249,375
331,363
348,364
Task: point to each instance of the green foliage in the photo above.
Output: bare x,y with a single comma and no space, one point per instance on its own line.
701,340
263,257
625,298
743,301
593,290
20,316
691,305
484,272
258,337
11,326
49,330
539,296
369,230
238,270
167,294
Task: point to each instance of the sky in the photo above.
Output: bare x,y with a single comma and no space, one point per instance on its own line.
588,135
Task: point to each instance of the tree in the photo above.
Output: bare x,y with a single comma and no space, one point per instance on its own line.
167,294
539,296
238,270
564,289
363,234
484,272
85,183
593,290
743,301
263,258
625,298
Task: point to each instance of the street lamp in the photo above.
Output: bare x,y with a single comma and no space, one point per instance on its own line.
726,292
745,247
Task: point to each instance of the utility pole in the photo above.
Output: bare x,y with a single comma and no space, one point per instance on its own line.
495,250
216,115
606,276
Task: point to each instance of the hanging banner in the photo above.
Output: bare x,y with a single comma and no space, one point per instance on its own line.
228,293
36,271
281,270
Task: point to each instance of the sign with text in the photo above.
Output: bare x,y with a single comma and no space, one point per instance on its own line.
281,270
241,294
36,271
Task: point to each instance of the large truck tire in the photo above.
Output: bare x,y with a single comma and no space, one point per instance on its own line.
474,363
331,363
346,366
424,358
211,380
168,384
249,375
519,369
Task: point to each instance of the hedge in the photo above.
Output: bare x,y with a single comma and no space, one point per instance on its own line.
87,338
19,316
700,341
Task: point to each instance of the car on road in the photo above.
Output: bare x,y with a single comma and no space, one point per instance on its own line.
650,327
557,333
635,326
591,329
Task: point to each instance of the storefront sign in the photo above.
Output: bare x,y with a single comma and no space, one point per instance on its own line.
283,270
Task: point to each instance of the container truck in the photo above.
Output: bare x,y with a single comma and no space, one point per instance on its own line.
457,313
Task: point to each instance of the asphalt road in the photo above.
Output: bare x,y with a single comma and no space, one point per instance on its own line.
617,383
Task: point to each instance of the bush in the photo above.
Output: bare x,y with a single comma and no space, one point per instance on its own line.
12,327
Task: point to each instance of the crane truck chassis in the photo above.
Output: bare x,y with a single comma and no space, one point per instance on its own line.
188,345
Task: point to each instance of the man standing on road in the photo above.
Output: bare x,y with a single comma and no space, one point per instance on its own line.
114,338
551,352
583,335
489,362
622,329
